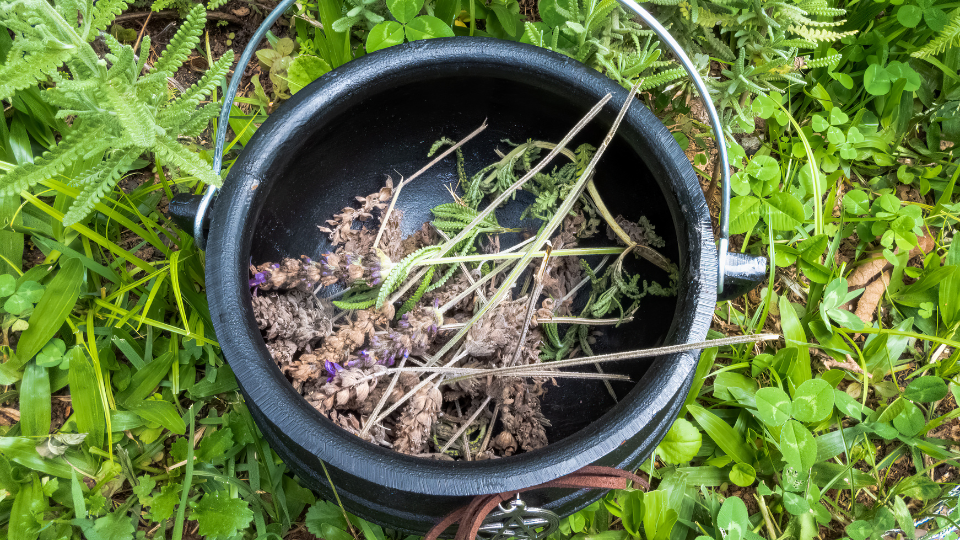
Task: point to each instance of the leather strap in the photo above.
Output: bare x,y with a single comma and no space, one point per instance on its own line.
470,517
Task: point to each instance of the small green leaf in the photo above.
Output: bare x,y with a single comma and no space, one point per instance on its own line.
838,117
819,123
220,515
910,421
743,475
909,15
876,80
52,353
405,10
681,443
856,202
926,389
304,70
16,304
773,406
86,398
795,504
425,27
383,35
734,519
798,446
786,212
8,285
813,401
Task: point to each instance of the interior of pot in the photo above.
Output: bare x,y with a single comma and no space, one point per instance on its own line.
389,134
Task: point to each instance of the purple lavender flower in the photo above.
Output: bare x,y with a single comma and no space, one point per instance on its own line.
331,368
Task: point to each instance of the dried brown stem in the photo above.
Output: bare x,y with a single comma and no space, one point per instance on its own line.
471,373
425,168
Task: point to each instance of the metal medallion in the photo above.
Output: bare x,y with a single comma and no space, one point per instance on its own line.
514,519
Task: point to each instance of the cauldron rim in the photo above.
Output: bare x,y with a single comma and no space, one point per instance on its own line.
272,397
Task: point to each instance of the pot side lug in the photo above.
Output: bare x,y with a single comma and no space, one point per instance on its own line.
183,211
743,273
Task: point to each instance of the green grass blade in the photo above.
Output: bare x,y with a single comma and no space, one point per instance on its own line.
35,407
86,400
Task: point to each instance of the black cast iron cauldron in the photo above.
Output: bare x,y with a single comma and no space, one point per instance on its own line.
340,137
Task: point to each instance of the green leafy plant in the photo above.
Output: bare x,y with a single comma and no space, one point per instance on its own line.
407,25
118,113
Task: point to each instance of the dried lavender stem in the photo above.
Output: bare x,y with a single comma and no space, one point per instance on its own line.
462,433
396,193
546,370
492,274
551,225
615,250
493,420
646,252
584,320
528,316
383,400
463,429
374,420
463,267
530,174
626,355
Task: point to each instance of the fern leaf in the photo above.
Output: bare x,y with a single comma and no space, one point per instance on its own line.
400,270
199,121
134,118
180,111
214,4
948,37
179,156
421,290
104,12
186,38
819,35
24,69
830,61
83,139
661,78
101,179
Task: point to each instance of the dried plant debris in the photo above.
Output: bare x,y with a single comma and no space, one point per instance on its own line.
366,360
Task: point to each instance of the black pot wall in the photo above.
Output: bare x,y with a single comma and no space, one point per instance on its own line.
377,116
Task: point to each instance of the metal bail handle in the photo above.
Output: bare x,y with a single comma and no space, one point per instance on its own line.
629,5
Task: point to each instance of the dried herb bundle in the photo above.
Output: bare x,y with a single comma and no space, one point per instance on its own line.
392,360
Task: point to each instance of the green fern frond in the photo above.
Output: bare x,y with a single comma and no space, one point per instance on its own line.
104,12
26,68
662,78
399,272
365,304
86,138
101,179
188,162
185,40
180,111
799,43
421,290
135,120
947,38
215,4
819,35
825,61
199,120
